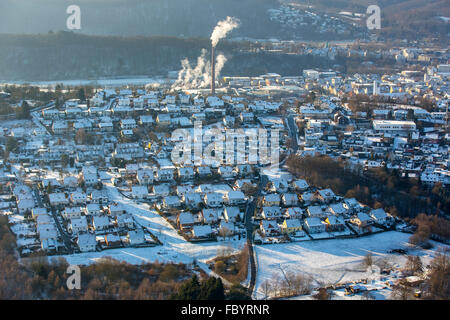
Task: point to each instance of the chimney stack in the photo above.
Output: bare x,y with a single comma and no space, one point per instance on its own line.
213,71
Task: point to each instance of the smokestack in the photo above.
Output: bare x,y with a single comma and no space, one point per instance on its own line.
213,71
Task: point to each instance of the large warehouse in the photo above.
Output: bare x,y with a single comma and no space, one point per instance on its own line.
393,125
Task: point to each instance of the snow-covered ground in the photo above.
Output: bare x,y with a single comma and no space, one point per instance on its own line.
174,249
333,261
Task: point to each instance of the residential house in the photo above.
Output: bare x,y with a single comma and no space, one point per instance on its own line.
211,215
299,185
361,219
271,213
87,242
235,197
334,223
25,205
185,221
72,213
128,124
161,190
185,173
226,229
139,192
145,176
338,209
289,199
227,172
314,225
316,211
192,199
171,202
213,199
125,221
164,174
99,196
326,195
308,197
290,226
93,209
116,209
78,197
78,225
36,212
202,232
272,199
245,170
379,216
204,171
100,223
58,199
232,214
269,228
146,120
293,213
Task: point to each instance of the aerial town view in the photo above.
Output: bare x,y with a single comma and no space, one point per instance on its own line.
224,150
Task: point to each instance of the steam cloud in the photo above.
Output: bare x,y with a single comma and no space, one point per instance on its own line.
222,29
200,75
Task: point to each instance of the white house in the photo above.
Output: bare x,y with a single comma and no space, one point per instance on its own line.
58,198
100,223
192,199
213,199
314,225
316,211
379,216
231,214
289,199
78,225
171,202
185,173
272,199
235,197
93,209
211,215
299,185
271,213
145,176
139,192
72,212
116,209
164,174
86,242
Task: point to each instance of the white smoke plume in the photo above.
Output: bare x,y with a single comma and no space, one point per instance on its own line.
222,28
200,75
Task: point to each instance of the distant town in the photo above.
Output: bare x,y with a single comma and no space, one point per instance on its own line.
88,171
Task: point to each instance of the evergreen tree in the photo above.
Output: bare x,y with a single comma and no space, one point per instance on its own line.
212,289
238,292
189,290
81,94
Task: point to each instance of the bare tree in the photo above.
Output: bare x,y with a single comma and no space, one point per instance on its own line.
266,287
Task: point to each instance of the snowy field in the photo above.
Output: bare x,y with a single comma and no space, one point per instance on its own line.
333,261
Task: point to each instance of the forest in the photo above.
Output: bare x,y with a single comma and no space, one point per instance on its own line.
67,55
